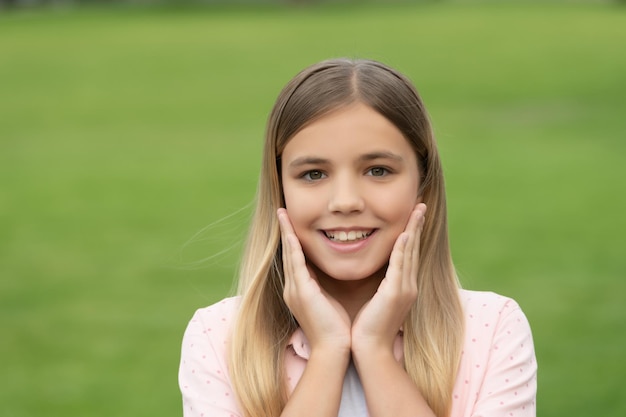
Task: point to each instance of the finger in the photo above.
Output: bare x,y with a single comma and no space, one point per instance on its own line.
396,260
416,218
281,213
296,262
283,221
420,212
411,253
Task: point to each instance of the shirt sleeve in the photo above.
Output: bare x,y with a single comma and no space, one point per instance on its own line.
203,374
510,384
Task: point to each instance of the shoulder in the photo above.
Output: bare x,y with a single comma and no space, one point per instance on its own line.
497,372
485,302
203,374
216,319
207,335
493,320
222,309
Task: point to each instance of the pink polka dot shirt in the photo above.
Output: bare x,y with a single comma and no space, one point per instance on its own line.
497,375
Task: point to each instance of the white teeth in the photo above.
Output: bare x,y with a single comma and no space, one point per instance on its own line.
352,235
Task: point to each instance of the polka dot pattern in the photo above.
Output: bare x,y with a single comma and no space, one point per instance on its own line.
496,377
203,374
497,373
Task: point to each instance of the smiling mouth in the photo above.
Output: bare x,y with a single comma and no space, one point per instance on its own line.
351,236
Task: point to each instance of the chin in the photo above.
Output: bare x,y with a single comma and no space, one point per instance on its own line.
351,274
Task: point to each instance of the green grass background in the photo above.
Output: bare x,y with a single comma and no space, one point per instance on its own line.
125,131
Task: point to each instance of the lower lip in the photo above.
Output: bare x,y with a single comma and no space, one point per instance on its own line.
348,247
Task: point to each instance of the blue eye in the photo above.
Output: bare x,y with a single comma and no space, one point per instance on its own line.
313,175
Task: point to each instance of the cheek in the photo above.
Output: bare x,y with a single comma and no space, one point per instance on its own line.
300,207
291,198
395,211
400,217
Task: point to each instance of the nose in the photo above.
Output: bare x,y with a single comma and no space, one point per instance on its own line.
345,195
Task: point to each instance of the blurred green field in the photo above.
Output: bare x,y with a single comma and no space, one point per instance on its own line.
123,132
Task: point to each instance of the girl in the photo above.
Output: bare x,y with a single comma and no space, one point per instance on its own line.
349,302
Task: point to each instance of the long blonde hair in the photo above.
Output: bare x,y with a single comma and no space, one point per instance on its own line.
433,330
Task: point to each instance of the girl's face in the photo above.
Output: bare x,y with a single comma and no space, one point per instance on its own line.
350,181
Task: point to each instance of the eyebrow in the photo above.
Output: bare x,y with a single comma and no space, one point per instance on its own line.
313,160
381,155
307,160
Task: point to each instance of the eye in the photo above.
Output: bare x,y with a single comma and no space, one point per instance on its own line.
378,171
313,175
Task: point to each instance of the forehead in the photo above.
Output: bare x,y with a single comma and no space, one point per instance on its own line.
348,133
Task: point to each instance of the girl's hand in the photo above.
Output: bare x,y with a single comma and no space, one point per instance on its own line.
377,324
324,321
